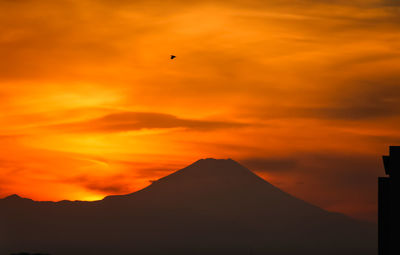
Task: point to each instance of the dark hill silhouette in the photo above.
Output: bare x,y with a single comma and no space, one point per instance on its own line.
210,207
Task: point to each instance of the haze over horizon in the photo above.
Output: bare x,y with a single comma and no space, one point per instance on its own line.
304,93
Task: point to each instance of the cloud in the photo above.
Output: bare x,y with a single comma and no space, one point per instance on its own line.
355,170
343,180
130,121
106,188
355,101
364,100
384,139
115,184
333,169
123,182
393,3
270,164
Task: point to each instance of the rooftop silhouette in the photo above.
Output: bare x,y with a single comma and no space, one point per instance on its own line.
388,205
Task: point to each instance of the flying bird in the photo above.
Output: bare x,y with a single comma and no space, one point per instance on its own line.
172,56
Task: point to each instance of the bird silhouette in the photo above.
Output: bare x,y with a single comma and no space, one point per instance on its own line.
172,56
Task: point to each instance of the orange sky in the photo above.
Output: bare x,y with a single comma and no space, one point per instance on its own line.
306,93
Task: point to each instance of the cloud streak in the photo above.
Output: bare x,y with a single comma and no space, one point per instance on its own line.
131,121
270,164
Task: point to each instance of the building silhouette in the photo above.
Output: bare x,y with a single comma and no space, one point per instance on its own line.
388,204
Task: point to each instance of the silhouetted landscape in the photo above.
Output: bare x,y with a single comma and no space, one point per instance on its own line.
27,253
210,207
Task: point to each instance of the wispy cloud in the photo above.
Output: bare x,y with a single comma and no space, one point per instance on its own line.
128,121
270,164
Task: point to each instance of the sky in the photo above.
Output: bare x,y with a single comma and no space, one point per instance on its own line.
305,93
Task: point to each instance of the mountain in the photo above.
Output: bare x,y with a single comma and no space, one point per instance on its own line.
210,207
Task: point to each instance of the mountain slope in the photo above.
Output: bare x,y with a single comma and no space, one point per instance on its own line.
210,207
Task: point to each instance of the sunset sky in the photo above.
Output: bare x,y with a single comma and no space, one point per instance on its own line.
304,92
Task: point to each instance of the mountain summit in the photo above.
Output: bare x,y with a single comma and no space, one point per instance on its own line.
213,206
206,176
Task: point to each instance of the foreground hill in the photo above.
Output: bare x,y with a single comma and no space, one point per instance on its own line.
210,207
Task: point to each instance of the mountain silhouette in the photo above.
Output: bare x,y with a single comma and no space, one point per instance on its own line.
210,207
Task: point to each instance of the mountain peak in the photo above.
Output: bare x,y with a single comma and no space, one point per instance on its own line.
13,197
212,168
215,159
213,162
209,174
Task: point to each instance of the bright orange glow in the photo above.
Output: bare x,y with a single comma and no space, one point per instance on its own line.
307,95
